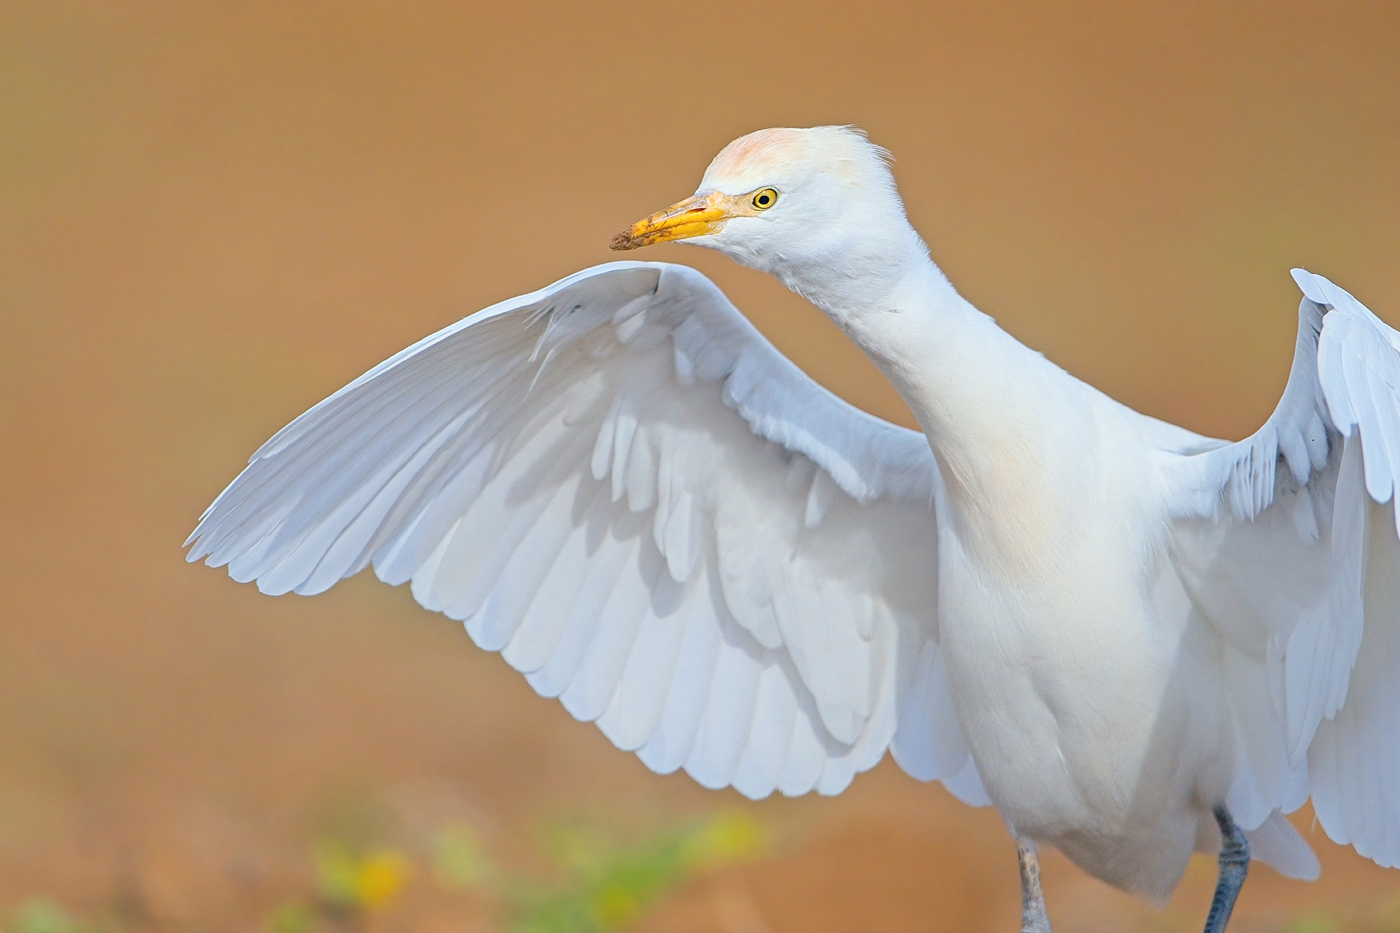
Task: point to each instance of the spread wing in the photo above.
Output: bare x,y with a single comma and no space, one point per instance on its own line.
1289,547
619,484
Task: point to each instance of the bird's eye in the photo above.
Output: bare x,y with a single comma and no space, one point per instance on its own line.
765,199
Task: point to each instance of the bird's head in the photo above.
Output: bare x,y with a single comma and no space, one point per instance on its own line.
795,202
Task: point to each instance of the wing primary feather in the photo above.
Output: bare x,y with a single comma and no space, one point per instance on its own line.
1372,449
637,706
1384,405
670,745
552,603
591,689
770,735
728,717
496,623
807,751
617,548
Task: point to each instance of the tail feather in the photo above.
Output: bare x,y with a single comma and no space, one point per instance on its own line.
1277,843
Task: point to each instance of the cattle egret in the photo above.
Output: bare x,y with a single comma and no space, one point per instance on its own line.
1135,641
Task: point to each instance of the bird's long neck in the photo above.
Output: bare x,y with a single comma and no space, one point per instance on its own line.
994,411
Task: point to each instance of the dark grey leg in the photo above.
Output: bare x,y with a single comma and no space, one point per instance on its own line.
1234,865
1034,919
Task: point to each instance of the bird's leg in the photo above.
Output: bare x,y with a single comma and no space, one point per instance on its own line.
1034,919
1234,865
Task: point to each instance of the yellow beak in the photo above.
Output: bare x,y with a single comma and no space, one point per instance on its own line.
695,216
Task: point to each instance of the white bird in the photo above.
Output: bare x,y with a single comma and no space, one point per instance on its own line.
1135,641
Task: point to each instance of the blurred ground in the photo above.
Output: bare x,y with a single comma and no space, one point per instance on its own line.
212,215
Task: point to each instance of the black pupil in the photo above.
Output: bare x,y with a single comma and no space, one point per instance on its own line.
763,199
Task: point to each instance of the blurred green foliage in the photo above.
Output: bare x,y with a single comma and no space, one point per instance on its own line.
1313,922
595,878
42,915
605,887
460,861
295,916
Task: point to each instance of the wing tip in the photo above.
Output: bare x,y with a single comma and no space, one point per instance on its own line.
1310,285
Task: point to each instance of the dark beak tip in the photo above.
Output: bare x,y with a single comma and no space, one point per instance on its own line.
622,241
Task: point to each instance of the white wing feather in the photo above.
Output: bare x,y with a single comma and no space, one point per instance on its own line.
1288,543
622,486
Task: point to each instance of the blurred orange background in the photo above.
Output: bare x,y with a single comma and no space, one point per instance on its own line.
213,214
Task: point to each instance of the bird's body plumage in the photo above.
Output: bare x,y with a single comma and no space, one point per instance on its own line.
1105,625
